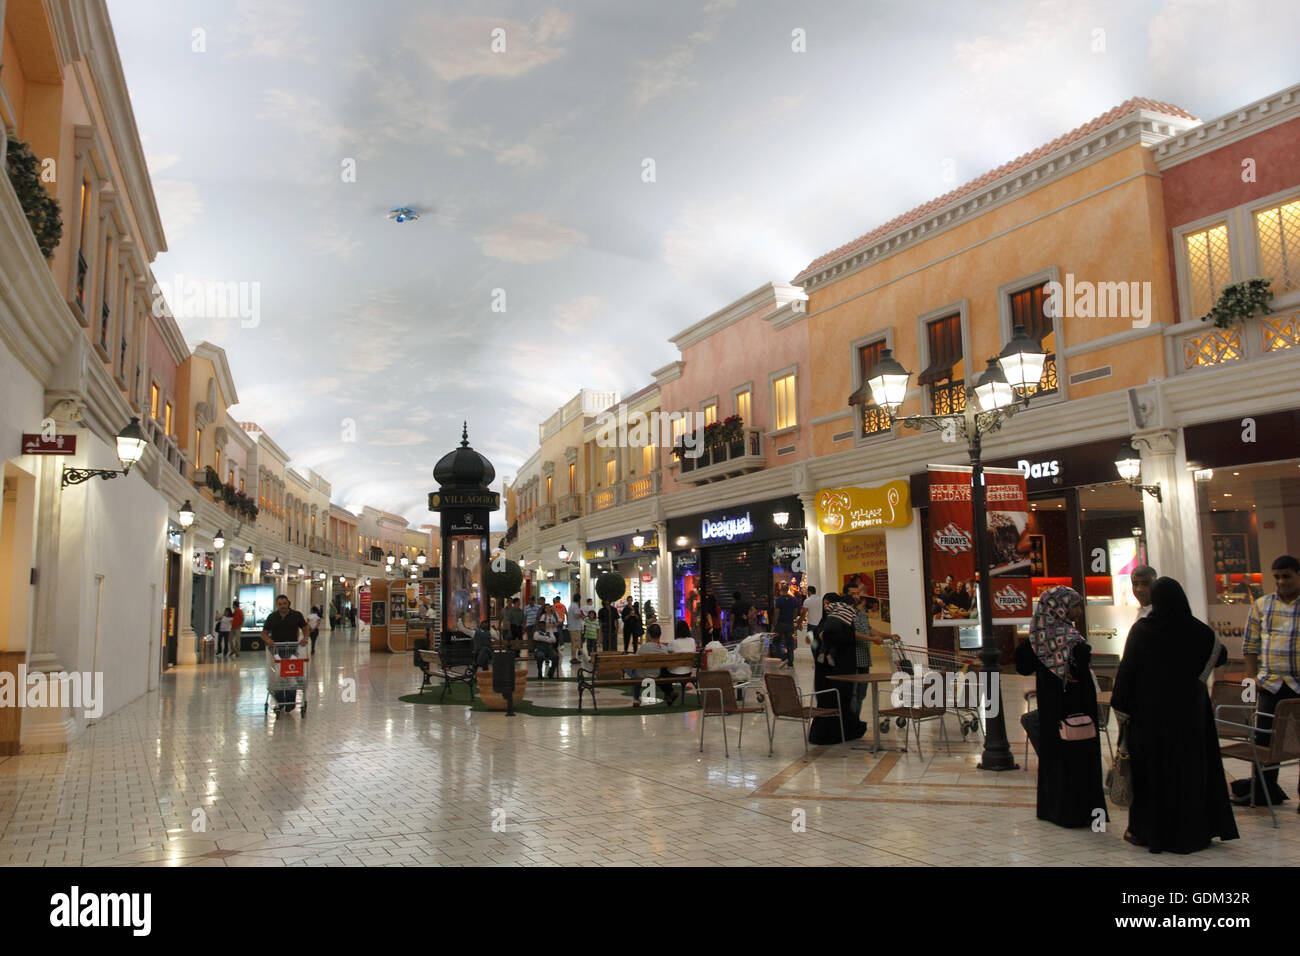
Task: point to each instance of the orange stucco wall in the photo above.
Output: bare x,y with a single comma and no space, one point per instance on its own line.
1104,223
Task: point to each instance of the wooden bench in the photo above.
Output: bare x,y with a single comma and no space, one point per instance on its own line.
607,670
452,662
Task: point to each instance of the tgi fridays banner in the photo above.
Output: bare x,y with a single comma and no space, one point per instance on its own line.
953,592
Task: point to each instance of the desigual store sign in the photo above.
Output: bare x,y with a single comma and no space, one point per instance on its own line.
841,510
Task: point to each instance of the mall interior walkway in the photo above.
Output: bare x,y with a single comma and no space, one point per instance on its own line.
374,781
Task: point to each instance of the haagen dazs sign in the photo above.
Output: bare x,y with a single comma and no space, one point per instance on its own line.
952,539
1039,469
1010,601
726,529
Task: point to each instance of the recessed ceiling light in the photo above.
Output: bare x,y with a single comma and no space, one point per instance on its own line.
1235,474
1227,494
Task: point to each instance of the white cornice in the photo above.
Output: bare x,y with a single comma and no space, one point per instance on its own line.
1280,107
166,325
774,295
669,373
110,84
264,441
1141,127
796,310
217,356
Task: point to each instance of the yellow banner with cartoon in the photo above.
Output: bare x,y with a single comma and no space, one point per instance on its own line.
841,510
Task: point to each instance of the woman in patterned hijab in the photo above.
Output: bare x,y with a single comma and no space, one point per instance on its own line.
1053,635
1056,654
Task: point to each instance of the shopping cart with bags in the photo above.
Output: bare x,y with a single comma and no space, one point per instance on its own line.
752,652
286,676
939,680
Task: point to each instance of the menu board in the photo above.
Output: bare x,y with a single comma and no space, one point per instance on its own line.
379,613
1229,553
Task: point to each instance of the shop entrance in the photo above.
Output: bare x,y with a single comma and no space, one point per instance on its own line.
1090,539
1248,516
171,612
17,513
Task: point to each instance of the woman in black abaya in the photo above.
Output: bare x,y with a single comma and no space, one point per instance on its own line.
1180,795
835,655
1069,771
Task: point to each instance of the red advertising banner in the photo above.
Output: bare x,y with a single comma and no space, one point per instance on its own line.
953,595
1007,514
364,609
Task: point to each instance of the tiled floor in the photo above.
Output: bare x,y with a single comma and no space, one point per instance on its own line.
196,775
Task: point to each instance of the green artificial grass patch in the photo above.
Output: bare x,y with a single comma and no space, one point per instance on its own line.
459,696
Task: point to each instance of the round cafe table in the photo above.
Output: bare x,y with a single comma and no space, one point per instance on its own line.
874,679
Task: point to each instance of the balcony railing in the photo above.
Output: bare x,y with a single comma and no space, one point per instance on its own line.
166,446
646,486
726,461
1198,345
568,508
600,500
948,398
545,516
875,421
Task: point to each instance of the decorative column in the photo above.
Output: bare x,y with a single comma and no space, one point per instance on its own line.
664,581
585,587
1172,553
815,549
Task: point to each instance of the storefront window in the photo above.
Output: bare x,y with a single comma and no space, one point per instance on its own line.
1248,515
468,553
1111,541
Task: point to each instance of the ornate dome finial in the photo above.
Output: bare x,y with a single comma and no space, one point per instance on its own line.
463,467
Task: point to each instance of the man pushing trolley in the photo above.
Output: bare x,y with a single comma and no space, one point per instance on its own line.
287,671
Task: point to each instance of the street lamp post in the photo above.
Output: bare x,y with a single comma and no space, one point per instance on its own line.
1002,391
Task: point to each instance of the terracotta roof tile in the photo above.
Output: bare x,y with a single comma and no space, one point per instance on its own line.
920,212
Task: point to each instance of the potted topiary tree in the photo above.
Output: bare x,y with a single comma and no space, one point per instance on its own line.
609,588
502,585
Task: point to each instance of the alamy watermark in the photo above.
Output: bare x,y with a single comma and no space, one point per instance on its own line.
1081,299
618,429
75,909
973,690
184,298
81,690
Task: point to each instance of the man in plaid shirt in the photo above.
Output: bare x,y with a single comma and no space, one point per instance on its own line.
1270,650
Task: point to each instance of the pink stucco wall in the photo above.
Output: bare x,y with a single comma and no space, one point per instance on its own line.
747,351
1213,182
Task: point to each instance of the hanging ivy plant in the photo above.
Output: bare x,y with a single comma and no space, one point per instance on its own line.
42,209
1239,302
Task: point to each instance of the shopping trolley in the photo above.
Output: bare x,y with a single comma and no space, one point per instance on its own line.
286,673
913,699
757,661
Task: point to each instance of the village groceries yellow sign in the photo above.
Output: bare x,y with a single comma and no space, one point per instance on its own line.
852,509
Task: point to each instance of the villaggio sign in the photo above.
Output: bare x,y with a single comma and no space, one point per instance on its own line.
490,500
726,529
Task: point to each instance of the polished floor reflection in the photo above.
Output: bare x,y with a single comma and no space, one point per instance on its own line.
197,775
